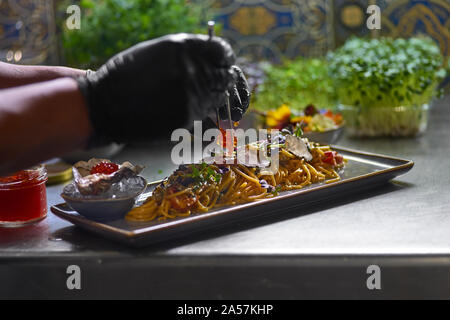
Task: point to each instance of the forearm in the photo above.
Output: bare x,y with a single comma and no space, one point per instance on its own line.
41,121
16,75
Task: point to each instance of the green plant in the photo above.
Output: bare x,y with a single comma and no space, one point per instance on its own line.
110,26
386,72
384,85
296,83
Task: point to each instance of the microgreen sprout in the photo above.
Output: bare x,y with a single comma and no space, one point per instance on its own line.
203,173
276,191
386,72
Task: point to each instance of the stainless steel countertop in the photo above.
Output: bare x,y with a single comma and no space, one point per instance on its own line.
403,226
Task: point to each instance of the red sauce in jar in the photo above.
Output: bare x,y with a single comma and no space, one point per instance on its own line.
23,197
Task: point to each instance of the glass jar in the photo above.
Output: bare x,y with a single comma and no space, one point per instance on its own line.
23,197
402,121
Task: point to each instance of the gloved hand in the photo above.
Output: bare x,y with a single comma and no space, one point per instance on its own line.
159,85
239,97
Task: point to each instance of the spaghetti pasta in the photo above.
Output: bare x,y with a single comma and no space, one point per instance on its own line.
201,187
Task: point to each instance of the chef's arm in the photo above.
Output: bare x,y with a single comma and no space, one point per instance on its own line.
41,121
12,75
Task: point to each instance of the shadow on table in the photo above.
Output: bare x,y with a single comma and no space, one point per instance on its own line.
84,240
20,238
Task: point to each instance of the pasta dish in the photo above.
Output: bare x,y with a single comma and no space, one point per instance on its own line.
197,188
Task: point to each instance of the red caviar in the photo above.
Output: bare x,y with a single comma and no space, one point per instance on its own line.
23,197
105,168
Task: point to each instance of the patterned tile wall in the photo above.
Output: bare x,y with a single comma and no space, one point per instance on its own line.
406,18
276,28
261,29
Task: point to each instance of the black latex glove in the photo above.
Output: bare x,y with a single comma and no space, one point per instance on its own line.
239,97
157,86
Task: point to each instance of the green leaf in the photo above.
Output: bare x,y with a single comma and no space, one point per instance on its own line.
298,131
296,83
276,191
385,72
110,26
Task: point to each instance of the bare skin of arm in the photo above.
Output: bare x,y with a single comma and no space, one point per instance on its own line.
15,75
41,121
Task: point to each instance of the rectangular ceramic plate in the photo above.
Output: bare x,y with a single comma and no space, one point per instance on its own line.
362,170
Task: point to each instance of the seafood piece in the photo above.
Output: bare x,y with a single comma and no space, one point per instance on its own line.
97,183
299,147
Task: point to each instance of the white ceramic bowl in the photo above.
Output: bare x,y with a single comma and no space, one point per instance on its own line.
325,137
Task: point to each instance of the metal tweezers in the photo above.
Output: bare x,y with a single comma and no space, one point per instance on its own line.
211,25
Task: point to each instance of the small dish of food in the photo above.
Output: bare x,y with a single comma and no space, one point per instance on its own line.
103,190
329,136
322,126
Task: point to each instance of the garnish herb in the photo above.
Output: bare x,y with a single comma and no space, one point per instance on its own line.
276,191
204,173
298,131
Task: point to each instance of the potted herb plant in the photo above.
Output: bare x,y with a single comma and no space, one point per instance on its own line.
297,93
296,83
385,86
